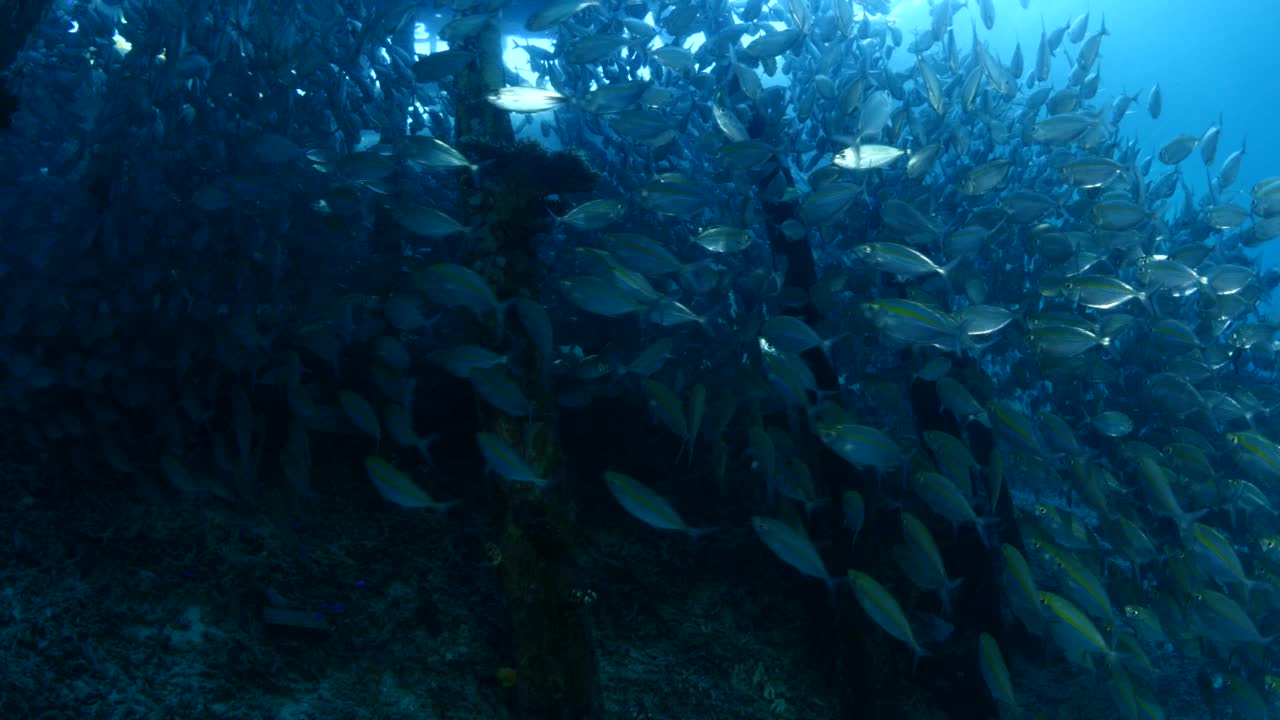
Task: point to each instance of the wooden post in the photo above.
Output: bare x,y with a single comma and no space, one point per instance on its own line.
17,19
556,673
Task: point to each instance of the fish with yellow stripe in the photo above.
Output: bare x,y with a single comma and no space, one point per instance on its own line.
884,609
793,547
648,506
995,672
503,460
1073,631
397,487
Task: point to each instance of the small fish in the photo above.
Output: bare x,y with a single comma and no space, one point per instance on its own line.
932,85
866,157
943,497
503,460
1020,588
361,413
1256,453
454,285
1146,623
1113,423
725,239
652,358
987,10
460,360
603,295
1178,149
855,512
1162,501
791,334
1230,169
1015,427
917,324
594,214
884,610
667,408
400,428
392,352
526,99
792,546
556,12
1074,632
861,445
1214,553
427,221
956,398
984,178
729,123
396,487
1082,585
953,458
1217,617
921,561
994,671
434,153
905,262
648,506
501,391
404,312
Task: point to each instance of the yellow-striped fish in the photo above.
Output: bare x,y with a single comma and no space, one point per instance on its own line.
884,610
994,671
1074,632
648,506
1020,586
398,488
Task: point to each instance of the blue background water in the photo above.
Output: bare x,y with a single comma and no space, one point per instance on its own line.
1210,58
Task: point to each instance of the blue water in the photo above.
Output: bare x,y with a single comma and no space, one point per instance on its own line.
1210,58
215,309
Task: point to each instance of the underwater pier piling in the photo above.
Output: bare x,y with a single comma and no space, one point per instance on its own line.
557,677
17,19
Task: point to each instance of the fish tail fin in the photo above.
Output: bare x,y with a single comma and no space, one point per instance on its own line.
697,533
917,652
945,595
981,526
945,270
833,589
424,447
811,505
1185,519
441,508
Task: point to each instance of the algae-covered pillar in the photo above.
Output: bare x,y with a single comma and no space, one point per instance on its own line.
17,19
556,672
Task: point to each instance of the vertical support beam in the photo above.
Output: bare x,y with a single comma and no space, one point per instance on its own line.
17,19
557,675
474,116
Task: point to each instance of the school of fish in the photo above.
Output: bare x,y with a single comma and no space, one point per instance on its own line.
233,230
